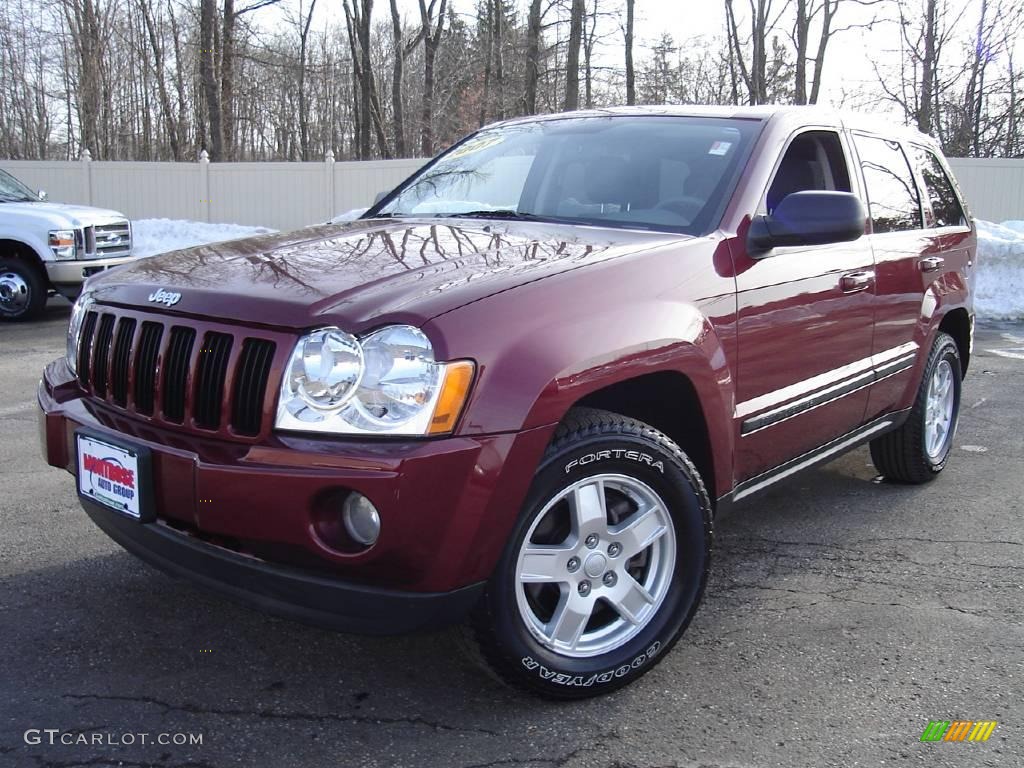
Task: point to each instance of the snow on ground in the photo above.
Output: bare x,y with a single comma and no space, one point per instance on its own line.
999,284
999,287
153,236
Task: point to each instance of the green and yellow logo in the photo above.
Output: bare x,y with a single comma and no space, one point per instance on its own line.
958,730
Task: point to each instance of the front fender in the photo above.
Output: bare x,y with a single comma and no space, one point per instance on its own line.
532,371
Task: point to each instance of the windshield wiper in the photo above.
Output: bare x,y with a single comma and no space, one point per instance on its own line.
502,213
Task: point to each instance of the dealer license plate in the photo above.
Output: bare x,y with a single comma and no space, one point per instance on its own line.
109,474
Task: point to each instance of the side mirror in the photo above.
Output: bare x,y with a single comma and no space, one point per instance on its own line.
42,195
808,218
380,196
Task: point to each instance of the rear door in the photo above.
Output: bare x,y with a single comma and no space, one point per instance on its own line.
918,231
805,324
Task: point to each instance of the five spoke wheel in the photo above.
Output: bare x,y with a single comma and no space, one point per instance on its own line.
595,565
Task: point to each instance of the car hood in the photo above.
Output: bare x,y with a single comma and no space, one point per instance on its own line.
59,215
360,274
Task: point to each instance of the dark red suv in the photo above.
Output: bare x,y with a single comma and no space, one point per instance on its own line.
517,389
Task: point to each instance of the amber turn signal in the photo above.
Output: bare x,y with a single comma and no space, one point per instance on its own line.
458,377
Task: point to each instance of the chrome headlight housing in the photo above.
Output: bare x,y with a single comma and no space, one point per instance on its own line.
386,383
78,312
64,243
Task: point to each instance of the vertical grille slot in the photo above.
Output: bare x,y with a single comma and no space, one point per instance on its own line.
212,368
85,347
176,372
145,367
251,386
122,357
101,356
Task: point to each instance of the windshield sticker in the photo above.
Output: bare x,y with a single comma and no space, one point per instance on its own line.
720,148
476,145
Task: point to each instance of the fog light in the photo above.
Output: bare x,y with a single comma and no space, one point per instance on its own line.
361,519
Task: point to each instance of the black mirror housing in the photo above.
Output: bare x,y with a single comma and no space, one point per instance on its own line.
808,218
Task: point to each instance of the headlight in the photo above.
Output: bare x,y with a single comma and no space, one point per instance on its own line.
78,312
62,243
387,383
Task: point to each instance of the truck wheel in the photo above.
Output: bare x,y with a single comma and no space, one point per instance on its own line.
606,565
918,450
22,290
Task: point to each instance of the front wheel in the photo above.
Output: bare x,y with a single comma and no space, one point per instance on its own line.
918,450
22,290
607,563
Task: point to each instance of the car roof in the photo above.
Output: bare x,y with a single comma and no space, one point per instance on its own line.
886,125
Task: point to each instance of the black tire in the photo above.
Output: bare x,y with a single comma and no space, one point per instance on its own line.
902,455
607,444
24,288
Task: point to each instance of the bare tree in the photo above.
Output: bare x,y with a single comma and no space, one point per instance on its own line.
630,73
433,29
572,58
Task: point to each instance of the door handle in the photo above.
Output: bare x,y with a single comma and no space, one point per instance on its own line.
931,263
852,282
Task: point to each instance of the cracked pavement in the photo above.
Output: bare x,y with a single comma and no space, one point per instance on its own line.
841,615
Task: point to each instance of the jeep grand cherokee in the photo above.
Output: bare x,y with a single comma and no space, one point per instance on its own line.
514,394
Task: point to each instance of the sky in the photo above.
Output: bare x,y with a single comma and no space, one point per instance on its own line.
849,71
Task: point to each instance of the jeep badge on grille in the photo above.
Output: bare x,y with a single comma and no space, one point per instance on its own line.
160,296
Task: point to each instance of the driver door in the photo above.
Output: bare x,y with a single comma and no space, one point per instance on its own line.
805,324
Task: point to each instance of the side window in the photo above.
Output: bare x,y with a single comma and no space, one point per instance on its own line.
946,208
813,161
892,193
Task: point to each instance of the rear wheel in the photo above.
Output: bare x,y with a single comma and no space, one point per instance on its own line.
918,450
22,290
606,566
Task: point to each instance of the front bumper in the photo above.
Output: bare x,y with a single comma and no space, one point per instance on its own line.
241,517
66,275
283,591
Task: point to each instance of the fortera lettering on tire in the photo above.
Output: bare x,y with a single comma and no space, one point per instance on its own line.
616,453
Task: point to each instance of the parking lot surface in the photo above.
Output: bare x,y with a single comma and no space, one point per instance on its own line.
841,616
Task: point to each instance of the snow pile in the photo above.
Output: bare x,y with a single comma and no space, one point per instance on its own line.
153,236
352,215
999,281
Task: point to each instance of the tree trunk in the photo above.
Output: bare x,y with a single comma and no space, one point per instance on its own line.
161,80
924,108
431,42
207,76
630,73
572,58
397,75
803,24
533,58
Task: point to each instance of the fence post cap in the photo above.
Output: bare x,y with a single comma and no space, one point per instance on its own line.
204,156
86,155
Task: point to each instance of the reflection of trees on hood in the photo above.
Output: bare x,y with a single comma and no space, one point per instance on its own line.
296,262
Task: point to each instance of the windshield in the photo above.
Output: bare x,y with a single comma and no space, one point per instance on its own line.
13,191
652,172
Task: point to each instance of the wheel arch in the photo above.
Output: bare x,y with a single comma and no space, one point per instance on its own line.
957,323
23,247
667,401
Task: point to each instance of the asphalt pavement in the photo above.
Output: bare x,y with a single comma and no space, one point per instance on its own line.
841,616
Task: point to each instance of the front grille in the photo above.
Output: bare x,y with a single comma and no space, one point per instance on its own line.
176,373
106,241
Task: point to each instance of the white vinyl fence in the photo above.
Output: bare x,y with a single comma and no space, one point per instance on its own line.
291,195
279,195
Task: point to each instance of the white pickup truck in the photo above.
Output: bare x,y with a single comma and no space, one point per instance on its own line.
50,246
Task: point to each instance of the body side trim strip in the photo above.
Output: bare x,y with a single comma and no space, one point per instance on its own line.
818,455
826,388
